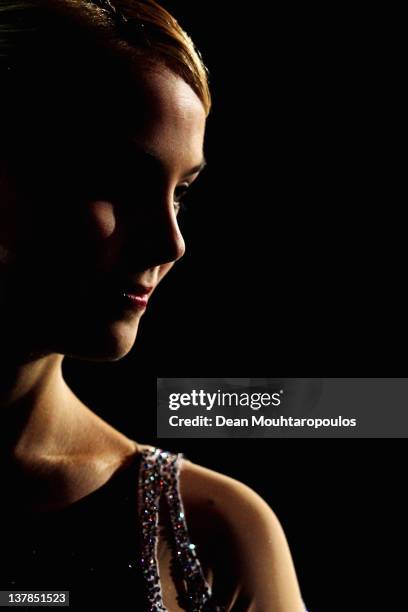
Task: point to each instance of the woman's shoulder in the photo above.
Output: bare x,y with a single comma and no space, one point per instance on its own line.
220,496
234,507
239,540
229,498
243,538
215,492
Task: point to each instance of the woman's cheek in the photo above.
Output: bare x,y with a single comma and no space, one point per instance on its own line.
164,269
102,219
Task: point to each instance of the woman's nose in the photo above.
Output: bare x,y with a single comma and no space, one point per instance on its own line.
153,237
167,242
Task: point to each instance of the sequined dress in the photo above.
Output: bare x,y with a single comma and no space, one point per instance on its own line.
95,549
159,479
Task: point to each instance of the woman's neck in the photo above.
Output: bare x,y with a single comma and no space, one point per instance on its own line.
51,444
33,403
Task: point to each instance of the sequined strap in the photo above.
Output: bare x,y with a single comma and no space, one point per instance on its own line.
149,490
197,591
159,475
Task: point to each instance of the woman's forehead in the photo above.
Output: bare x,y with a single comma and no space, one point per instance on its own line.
162,95
170,122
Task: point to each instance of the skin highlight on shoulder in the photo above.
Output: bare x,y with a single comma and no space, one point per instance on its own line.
242,542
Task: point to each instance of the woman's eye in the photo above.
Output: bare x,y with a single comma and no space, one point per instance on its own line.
179,194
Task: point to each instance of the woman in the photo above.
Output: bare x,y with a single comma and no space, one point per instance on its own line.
104,106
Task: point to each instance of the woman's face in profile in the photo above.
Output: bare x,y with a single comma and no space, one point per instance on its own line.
91,219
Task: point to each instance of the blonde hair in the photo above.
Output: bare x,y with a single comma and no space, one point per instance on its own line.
139,27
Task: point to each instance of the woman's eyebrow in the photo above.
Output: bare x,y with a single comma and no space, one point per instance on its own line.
197,168
152,156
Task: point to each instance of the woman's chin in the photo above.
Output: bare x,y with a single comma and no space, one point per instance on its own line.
111,343
122,338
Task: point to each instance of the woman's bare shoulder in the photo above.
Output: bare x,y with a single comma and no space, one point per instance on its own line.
249,550
208,486
205,488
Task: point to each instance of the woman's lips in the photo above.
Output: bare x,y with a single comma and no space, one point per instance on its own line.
136,301
138,296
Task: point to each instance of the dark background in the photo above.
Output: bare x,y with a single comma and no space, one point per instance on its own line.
294,267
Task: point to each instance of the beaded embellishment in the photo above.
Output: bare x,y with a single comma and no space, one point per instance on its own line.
158,479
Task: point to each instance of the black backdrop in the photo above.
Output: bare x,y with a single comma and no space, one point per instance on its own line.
292,269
